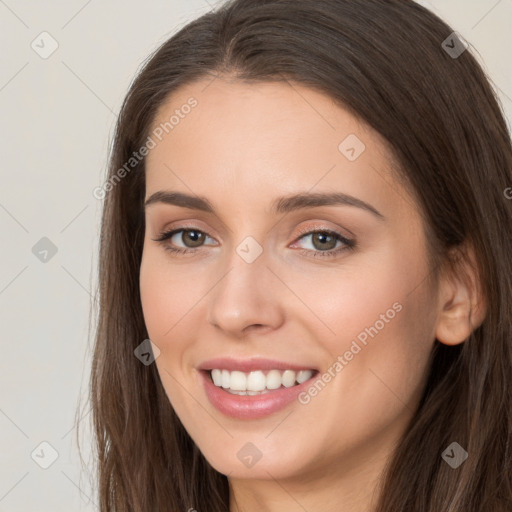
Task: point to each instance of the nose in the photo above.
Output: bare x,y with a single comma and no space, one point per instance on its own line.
247,297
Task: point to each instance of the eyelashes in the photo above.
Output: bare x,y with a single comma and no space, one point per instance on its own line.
321,234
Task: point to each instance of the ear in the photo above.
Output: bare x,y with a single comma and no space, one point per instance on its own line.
462,306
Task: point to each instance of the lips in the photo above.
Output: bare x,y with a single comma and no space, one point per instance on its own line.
251,407
253,364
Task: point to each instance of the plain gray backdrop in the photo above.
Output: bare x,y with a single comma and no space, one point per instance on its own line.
66,66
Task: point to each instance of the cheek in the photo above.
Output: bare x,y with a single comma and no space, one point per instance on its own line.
167,293
381,345
155,296
390,372
165,302
381,320
361,293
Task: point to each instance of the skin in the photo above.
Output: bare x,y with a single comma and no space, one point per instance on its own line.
241,147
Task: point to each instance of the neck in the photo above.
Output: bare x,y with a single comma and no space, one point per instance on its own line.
342,486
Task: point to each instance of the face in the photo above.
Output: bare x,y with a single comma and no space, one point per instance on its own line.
272,291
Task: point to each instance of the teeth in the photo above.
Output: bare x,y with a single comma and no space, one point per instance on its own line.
256,382
217,377
225,379
238,381
273,379
303,376
288,378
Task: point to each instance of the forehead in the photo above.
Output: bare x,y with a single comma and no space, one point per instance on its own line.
243,119
262,140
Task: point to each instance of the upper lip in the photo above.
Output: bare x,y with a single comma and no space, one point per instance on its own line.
248,365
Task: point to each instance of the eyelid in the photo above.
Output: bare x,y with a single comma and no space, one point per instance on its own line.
302,231
166,234
348,243
184,226
315,229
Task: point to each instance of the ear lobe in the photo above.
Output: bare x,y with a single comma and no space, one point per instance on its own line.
462,307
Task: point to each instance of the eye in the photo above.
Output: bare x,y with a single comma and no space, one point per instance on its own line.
324,242
192,238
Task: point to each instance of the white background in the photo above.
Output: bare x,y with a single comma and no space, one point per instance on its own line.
57,118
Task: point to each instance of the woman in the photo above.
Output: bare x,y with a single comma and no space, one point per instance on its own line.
306,213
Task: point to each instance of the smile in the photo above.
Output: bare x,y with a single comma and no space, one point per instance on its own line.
258,382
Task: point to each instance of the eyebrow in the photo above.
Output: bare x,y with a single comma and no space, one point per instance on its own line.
280,205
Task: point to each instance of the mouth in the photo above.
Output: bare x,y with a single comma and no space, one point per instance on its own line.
257,382
253,388
255,394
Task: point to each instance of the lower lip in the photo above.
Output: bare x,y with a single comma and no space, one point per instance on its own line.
251,407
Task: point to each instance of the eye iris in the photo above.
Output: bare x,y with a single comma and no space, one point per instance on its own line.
197,237
322,237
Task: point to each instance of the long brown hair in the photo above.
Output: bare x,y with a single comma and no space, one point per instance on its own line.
384,61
